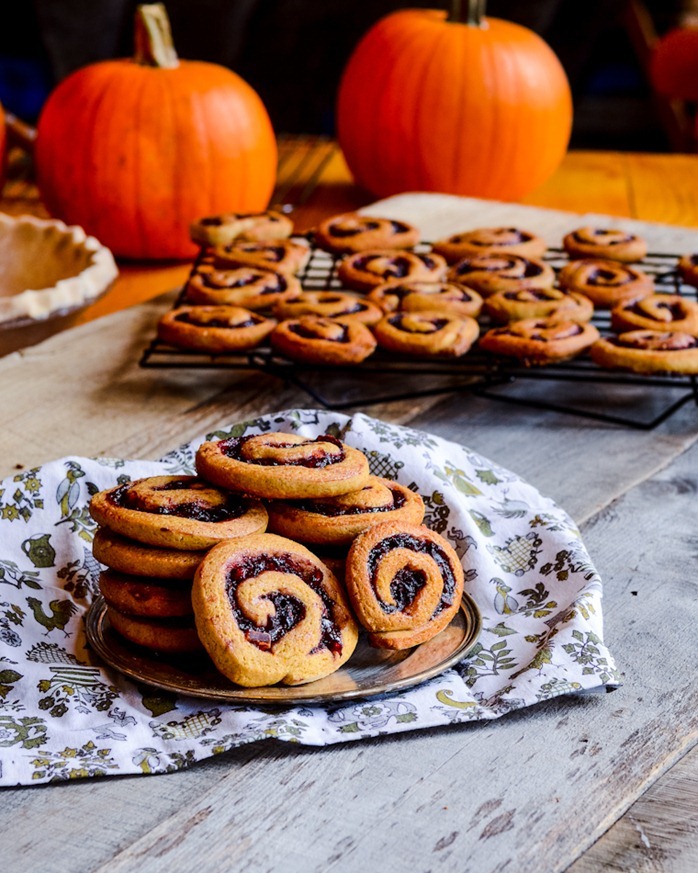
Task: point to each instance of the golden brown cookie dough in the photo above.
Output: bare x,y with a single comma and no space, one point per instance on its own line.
338,520
490,240
330,304
661,312
317,340
365,270
249,287
178,512
352,232
268,610
606,243
283,466
214,328
540,340
489,274
606,283
648,351
541,303
283,256
221,230
134,558
687,268
450,297
405,583
139,595
426,334
174,636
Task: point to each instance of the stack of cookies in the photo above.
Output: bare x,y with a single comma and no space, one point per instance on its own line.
267,606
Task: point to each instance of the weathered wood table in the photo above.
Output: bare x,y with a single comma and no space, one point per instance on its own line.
603,782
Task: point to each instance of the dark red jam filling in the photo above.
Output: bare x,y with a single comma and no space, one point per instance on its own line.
608,277
271,253
427,261
687,343
339,231
306,332
188,318
328,510
604,237
516,236
234,506
525,269
240,282
289,611
232,448
399,227
398,268
542,339
673,308
435,324
407,583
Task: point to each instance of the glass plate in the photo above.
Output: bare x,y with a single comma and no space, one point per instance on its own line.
368,672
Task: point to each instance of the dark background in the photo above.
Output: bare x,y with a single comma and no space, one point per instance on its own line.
293,51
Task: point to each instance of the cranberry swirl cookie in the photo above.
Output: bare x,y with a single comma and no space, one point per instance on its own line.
648,351
540,303
169,636
365,270
136,559
608,243
178,512
283,256
658,312
338,520
606,283
267,611
488,240
220,230
315,340
349,233
405,583
282,466
687,268
249,287
540,340
214,328
426,334
140,595
330,304
450,297
490,274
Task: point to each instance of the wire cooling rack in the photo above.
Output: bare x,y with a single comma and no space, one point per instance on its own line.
576,387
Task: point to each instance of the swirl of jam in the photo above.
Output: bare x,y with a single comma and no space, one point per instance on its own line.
540,340
490,240
351,226
605,282
367,269
330,304
282,255
527,303
603,236
352,233
541,331
499,236
417,322
223,229
320,328
416,296
337,521
668,341
213,329
180,512
250,287
277,450
230,317
617,245
317,340
496,272
269,611
405,583
243,277
658,312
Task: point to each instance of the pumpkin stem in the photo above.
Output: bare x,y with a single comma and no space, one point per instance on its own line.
153,37
475,13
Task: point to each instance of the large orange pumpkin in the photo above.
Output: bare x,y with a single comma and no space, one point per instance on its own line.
480,107
134,150
674,64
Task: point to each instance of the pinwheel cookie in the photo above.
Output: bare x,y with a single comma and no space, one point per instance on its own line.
140,595
338,520
134,558
661,312
489,274
487,240
606,283
540,340
317,340
352,232
405,583
180,512
283,466
366,270
416,296
648,351
330,304
249,287
283,255
220,230
426,334
171,636
267,611
608,243
539,303
214,328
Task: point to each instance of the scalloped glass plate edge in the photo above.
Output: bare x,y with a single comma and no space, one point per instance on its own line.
368,673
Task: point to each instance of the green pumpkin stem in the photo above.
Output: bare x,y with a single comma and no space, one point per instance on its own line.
475,12
153,37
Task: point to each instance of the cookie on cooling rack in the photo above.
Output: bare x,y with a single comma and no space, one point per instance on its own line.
449,297
662,312
337,305
316,340
687,268
220,230
606,283
538,303
214,328
426,334
488,240
489,274
351,232
540,340
648,351
248,287
607,243
365,270
283,256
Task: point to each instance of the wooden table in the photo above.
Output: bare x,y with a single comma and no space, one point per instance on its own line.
579,784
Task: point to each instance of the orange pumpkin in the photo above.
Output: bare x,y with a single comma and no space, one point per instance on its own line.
479,108
674,64
134,150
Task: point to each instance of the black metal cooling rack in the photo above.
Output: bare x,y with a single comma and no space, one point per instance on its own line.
576,387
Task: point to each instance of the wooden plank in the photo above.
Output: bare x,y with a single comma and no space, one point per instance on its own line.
664,190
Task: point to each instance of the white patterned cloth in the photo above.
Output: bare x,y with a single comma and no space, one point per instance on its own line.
63,715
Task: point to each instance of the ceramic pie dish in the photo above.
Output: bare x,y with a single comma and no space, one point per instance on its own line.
47,271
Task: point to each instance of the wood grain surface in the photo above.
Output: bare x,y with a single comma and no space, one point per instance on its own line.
582,783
